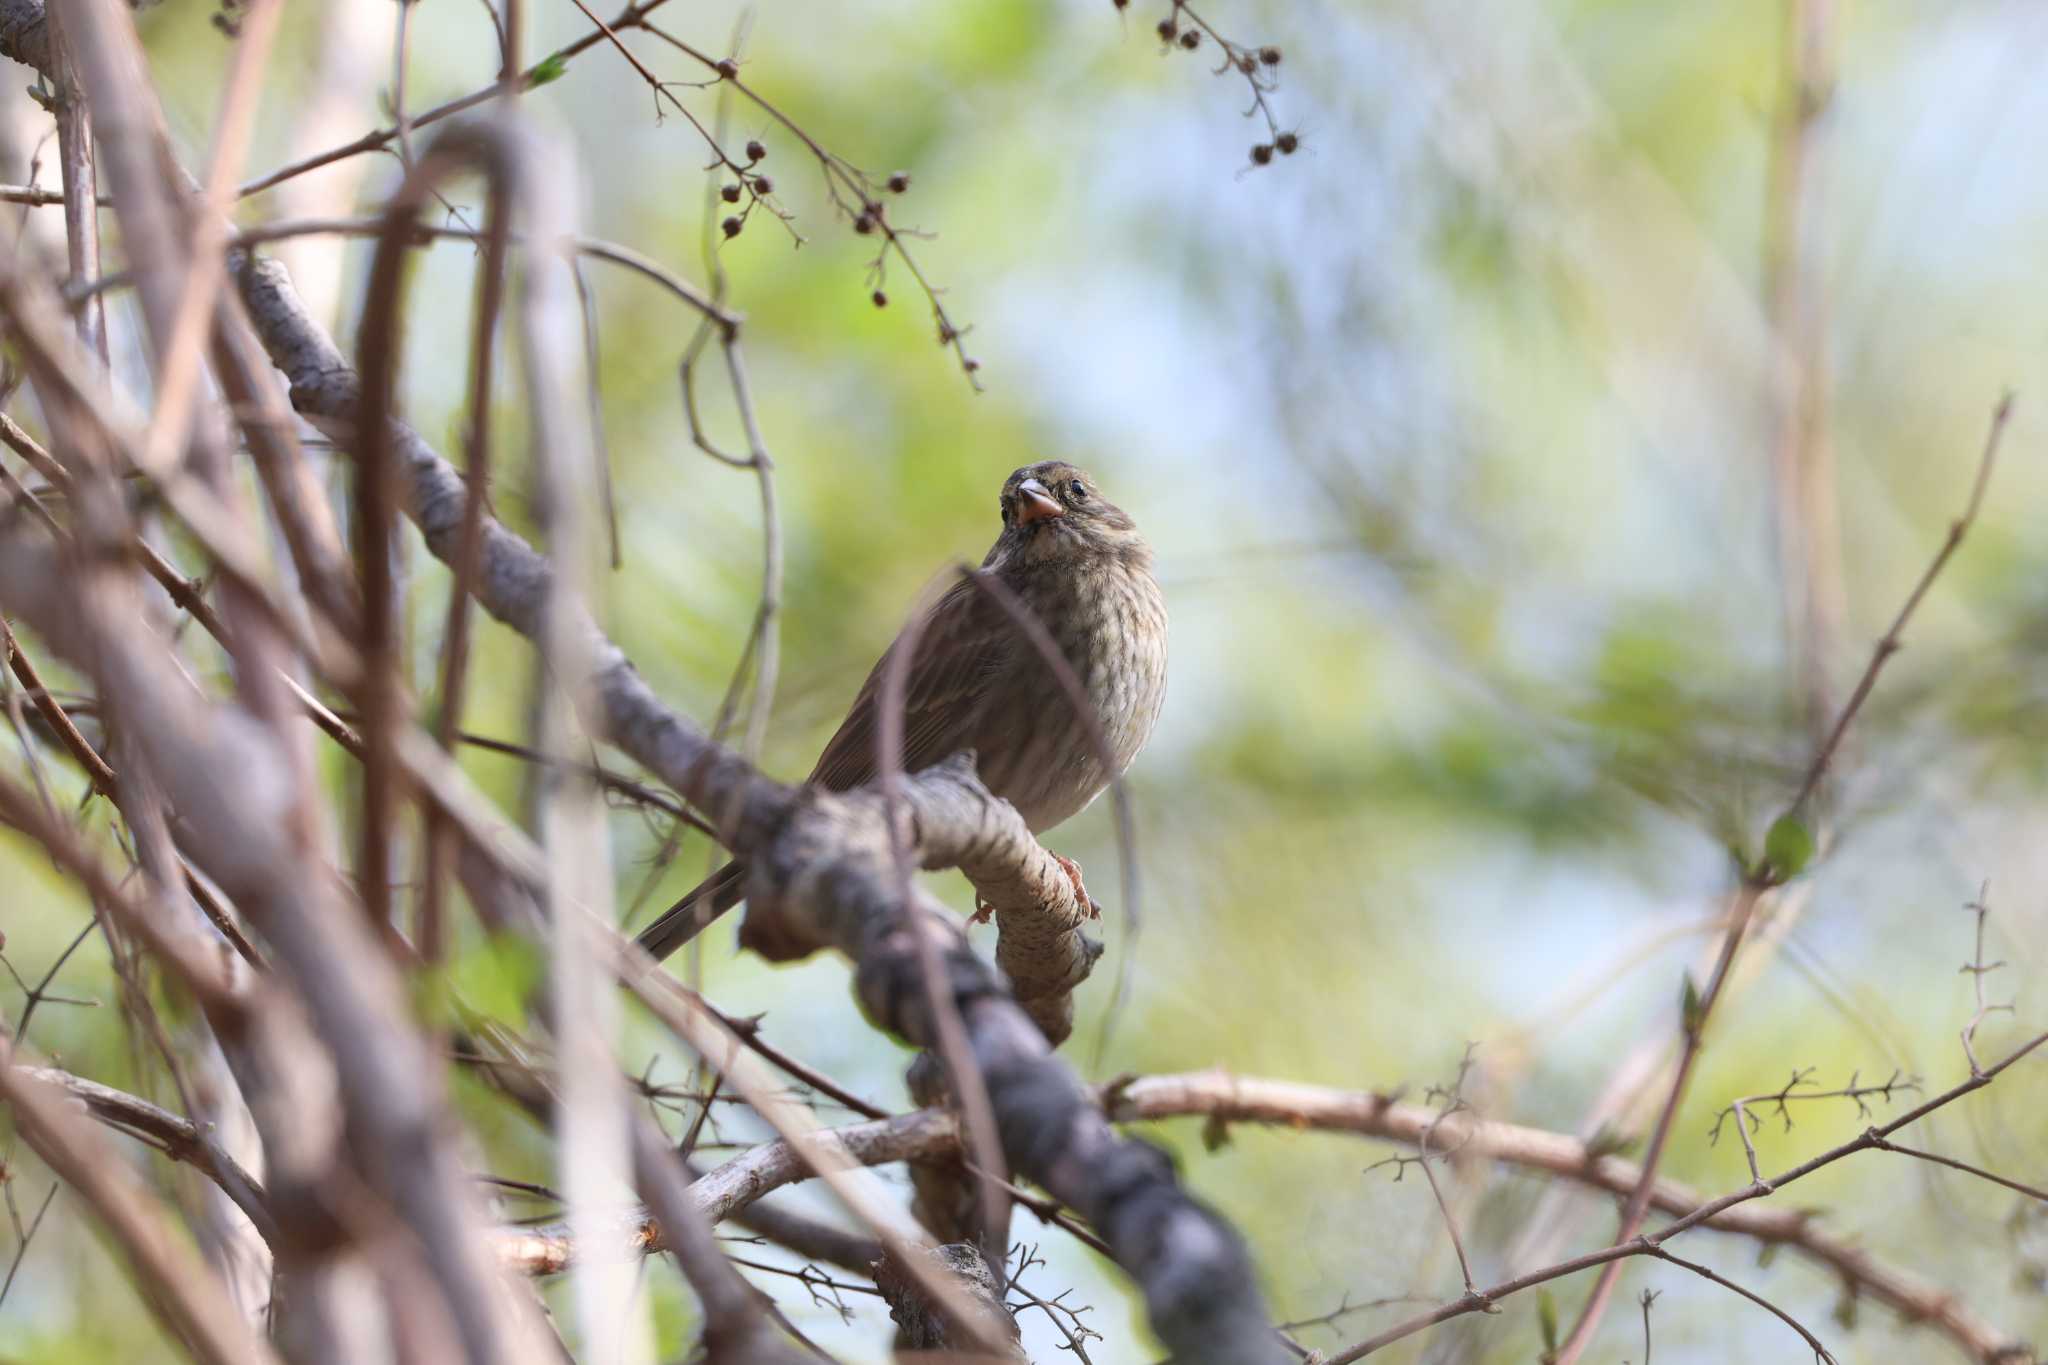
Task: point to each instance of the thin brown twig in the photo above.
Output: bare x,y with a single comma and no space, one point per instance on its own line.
1820,1352
2031,1191
182,352
184,1291
381,138
748,1031
672,1003
1646,1245
596,248
1746,1122
438,837
1889,644
1758,881
26,1236
81,193
1977,969
184,592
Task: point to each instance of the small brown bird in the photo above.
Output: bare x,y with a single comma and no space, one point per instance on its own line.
1078,562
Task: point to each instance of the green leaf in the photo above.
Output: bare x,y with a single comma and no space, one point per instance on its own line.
1689,1005
1215,1133
549,68
1788,848
1546,1320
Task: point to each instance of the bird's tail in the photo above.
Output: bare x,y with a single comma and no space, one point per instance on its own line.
692,914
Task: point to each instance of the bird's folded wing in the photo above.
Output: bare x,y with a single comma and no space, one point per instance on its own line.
966,642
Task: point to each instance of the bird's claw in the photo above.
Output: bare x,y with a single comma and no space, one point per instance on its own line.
1073,871
983,912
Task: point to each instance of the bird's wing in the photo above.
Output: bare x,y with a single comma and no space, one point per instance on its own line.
965,643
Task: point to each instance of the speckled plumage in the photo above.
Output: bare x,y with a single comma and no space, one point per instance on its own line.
977,683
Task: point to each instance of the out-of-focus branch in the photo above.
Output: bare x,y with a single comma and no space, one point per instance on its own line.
728,1191
821,862
1991,1350
1795,288
177,1138
1769,872
737,1328
81,200
182,1289
381,138
228,782
207,968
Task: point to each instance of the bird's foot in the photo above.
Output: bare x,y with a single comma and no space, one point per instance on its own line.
1073,871
983,912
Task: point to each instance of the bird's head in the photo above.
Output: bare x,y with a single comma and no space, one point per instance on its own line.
1054,511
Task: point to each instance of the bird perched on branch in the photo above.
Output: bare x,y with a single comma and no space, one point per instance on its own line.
1077,563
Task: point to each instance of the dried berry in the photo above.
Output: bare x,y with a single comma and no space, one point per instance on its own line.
1168,30
763,185
864,223
1270,56
1286,143
728,68
1192,39
1121,4
899,182
970,364
1261,154
730,194
881,299
755,151
731,227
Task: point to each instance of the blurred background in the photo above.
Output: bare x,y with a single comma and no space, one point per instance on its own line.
1533,457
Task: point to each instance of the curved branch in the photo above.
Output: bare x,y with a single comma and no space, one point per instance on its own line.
728,1190
823,862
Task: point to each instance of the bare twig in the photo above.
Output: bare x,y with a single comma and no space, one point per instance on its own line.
1820,1352
1992,1349
547,68
1746,1122
1890,644
1977,969
2031,1191
183,1289
1757,881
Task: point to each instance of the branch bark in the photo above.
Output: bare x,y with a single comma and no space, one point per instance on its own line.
821,861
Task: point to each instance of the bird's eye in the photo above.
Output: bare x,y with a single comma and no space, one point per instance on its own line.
1079,490
1003,506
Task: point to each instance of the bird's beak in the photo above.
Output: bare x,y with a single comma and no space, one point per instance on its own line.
1035,504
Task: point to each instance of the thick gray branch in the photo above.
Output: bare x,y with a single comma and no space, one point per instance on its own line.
820,865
